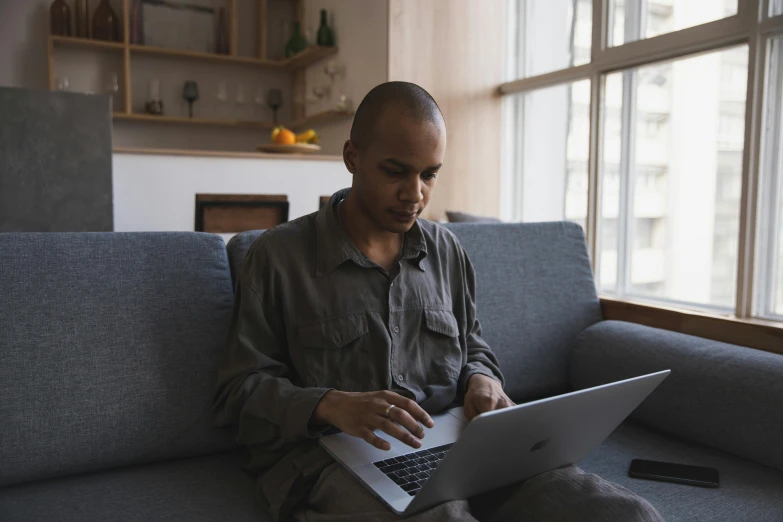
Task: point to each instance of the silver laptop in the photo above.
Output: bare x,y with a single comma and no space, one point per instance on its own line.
458,459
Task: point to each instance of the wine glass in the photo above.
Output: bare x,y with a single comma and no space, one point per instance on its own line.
190,94
240,94
222,94
274,99
64,84
259,101
319,91
112,88
154,103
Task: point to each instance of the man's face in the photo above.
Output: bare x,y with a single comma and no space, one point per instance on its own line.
396,169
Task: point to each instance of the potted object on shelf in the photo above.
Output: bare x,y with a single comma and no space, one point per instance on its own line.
297,43
80,25
136,23
221,40
325,34
104,23
190,94
60,18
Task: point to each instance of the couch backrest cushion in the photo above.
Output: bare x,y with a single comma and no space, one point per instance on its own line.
109,346
724,396
535,294
237,248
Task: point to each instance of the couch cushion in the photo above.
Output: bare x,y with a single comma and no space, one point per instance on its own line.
109,346
725,396
237,248
197,489
535,294
748,492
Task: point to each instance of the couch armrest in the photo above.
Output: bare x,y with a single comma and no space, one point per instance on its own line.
724,396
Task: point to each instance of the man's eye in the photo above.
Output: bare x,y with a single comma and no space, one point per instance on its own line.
430,175
396,172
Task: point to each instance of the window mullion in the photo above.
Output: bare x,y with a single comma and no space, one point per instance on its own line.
769,204
595,140
749,199
632,31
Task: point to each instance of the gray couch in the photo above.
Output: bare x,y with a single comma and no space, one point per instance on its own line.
109,345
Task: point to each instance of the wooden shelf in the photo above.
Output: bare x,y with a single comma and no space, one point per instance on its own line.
192,121
206,57
321,117
307,57
228,154
72,41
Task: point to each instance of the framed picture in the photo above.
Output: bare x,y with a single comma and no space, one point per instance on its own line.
233,213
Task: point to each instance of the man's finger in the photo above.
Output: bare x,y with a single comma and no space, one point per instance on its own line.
470,410
487,403
398,433
411,407
374,440
404,418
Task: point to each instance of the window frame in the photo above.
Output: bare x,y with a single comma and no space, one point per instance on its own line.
750,26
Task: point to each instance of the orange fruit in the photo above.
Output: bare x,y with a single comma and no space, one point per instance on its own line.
285,137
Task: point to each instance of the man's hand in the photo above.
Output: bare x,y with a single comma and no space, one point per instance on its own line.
358,414
484,394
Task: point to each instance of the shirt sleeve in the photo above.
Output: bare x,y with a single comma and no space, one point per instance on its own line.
255,393
480,359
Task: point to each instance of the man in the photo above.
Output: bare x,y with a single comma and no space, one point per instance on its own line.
362,317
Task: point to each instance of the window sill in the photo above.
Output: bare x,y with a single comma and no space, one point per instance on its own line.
755,333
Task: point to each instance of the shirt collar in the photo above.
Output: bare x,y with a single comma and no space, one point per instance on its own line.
334,247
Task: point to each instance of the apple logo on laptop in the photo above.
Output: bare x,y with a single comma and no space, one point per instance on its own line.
539,445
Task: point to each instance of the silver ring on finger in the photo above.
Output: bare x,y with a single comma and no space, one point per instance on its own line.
388,410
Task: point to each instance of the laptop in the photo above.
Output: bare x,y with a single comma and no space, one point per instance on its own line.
460,459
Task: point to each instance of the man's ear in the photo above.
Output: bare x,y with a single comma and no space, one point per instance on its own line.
350,157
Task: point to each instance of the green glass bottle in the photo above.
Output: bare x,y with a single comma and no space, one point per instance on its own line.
297,43
325,34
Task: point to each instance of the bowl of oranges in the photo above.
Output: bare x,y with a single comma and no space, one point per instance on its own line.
285,141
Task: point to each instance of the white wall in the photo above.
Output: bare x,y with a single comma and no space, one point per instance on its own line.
158,193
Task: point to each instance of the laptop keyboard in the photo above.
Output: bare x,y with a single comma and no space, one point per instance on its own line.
412,470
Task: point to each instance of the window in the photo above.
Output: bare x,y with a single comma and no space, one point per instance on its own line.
553,135
539,48
675,133
644,144
638,19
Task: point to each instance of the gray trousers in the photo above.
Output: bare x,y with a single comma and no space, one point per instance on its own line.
563,495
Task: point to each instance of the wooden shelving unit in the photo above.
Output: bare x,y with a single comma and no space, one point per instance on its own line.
73,41
294,65
322,117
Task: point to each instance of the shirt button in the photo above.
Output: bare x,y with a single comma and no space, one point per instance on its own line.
397,330
400,378
392,283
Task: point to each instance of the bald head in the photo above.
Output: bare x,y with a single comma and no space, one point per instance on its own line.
403,98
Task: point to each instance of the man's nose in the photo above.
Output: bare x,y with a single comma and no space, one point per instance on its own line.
412,191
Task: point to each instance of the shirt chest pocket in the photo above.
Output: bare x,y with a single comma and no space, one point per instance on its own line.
335,353
439,340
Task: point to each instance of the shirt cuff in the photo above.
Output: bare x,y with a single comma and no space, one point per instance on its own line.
300,410
468,371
